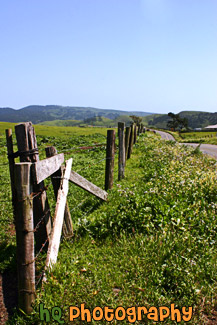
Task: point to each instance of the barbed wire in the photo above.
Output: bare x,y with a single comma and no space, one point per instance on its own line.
40,191
35,194
40,221
85,147
87,212
94,164
39,252
40,277
85,200
84,168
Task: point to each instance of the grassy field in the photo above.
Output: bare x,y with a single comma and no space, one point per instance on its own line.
58,131
209,137
152,244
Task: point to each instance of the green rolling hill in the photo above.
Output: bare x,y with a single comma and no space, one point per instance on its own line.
196,119
38,114
74,116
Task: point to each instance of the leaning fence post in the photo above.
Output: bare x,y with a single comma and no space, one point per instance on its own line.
25,237
110,153
54,243
121,153
27,146
131,141
56,181
127,139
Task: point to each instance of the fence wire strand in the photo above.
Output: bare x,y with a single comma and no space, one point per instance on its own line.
33,195
39,252
86,147
40,221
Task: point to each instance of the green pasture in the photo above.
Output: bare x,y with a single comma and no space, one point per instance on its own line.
208,137
152,244
58,131
208,134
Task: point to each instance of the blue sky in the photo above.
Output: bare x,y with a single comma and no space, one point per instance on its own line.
147,55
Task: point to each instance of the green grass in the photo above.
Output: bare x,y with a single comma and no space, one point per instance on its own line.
103,121
195,137
61,123
153,243
96,121
57,131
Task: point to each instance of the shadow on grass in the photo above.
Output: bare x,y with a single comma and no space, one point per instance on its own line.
8,274
9,289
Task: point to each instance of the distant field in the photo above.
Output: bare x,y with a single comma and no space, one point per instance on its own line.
61,123
94,121
208,137
197,137
6,125
57,131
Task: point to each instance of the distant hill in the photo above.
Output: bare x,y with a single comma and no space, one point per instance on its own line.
71,116
196,119
38,114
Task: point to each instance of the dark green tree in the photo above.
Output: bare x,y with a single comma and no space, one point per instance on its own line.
177,121
136,119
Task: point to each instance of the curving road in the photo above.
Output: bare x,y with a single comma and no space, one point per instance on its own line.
165,135
208,149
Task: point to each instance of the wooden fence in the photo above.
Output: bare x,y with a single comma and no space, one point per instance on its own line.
35,229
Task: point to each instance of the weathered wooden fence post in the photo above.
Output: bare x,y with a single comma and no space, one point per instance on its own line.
56,181
28,152
110,154
138,129
121,153
131,141
127,139
25,237
10,151
135,133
